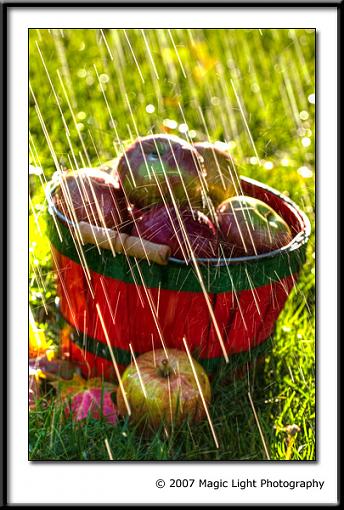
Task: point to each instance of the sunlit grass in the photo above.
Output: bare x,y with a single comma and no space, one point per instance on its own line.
92,92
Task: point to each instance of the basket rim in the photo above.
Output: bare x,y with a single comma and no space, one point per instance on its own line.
298,240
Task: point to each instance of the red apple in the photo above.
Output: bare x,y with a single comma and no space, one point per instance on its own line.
92,195
221,176
188,228
163,390
250,226
159,165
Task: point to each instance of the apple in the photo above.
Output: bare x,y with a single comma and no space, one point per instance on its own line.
163,390
159,165
221,176
95,196
162,225
250,226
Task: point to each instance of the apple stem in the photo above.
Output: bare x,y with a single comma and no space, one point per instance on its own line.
164,368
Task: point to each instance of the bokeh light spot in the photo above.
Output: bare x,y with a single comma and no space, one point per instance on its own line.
82,73
311,98
306,141
304,115
183,128
104,78
305,172
170,123
150,108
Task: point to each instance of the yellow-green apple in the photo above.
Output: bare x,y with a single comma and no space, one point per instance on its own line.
250,226
162,390
221,176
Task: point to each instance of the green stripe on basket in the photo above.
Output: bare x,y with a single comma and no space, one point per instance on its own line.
238,359
234,277
100,349
123,357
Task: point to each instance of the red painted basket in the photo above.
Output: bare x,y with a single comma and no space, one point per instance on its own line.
122,306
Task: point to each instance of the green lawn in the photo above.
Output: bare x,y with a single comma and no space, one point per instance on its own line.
91,92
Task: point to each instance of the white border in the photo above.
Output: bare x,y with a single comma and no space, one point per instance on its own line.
133,482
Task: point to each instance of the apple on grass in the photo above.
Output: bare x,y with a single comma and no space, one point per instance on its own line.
160,165
162,390
249,226
94,196
183,231
221,176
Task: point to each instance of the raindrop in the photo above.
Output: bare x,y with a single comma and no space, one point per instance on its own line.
82,46
254,160
268,165
285,162
192,133
80,126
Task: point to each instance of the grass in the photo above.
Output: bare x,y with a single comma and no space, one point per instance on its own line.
250,88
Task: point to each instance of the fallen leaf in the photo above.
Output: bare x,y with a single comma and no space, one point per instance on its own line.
68,388
93,402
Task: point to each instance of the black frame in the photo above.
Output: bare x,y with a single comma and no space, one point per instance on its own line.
5,6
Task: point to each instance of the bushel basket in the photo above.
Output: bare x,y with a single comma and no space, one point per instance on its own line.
119,306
